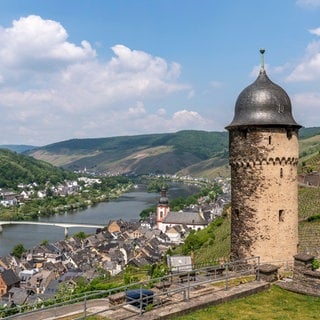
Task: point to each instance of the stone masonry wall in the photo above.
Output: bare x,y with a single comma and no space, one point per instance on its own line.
264,193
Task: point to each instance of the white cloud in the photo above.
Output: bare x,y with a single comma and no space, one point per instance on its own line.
315,31
32,42
137,110
185,119
161,112
308,3
306,105
52,89
309,68
215,84
123,122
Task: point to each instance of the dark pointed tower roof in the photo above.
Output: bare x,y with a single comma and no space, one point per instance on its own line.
163,198
263,103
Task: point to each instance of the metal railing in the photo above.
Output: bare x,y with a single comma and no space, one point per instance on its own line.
174,287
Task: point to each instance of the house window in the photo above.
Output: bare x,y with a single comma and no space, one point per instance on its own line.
281,215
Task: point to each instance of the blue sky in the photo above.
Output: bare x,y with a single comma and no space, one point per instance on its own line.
101,68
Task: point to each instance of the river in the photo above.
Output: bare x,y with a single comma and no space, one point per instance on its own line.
127,207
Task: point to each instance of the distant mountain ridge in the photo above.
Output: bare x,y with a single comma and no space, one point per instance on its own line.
19,148
198,153
141,154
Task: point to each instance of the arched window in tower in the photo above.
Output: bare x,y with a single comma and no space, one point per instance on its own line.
281,172
161,214
281,215
269,139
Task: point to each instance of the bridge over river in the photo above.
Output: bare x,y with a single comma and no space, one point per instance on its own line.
64,225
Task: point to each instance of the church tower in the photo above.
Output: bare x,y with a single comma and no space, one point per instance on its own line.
263,155
163,208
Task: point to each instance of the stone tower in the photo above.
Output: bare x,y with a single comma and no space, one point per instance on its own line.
163,208
264,150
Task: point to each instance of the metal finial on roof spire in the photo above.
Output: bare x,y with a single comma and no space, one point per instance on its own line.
262,51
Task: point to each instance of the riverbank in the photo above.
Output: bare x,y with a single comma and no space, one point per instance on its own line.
34,208
127,206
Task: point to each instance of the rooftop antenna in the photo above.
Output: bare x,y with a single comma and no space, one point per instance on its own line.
262,51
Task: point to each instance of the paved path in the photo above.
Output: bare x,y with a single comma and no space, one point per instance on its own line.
56,313
170,307
201,301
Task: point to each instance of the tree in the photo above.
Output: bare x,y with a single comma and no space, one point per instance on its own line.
18,250
145,213
158,270
44,242
192,243
80,235
65,291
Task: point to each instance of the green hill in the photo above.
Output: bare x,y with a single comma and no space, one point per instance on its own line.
17,168
143,154
310,154
189,152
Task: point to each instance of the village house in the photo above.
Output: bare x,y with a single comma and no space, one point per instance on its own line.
8,280
8,198
116,226
176,233
310,179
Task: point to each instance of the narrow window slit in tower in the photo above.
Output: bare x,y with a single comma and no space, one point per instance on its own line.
269,139
281,172
244,133
281,215
237,213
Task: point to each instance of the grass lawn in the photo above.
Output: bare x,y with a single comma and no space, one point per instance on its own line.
274,304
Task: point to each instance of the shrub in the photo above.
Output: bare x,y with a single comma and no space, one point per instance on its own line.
315,264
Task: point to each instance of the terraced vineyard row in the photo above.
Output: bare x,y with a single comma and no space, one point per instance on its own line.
309,238
309,202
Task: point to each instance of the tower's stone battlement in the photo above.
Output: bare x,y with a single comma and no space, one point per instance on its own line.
261,162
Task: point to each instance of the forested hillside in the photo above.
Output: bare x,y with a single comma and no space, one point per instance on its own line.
16,168
143,154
